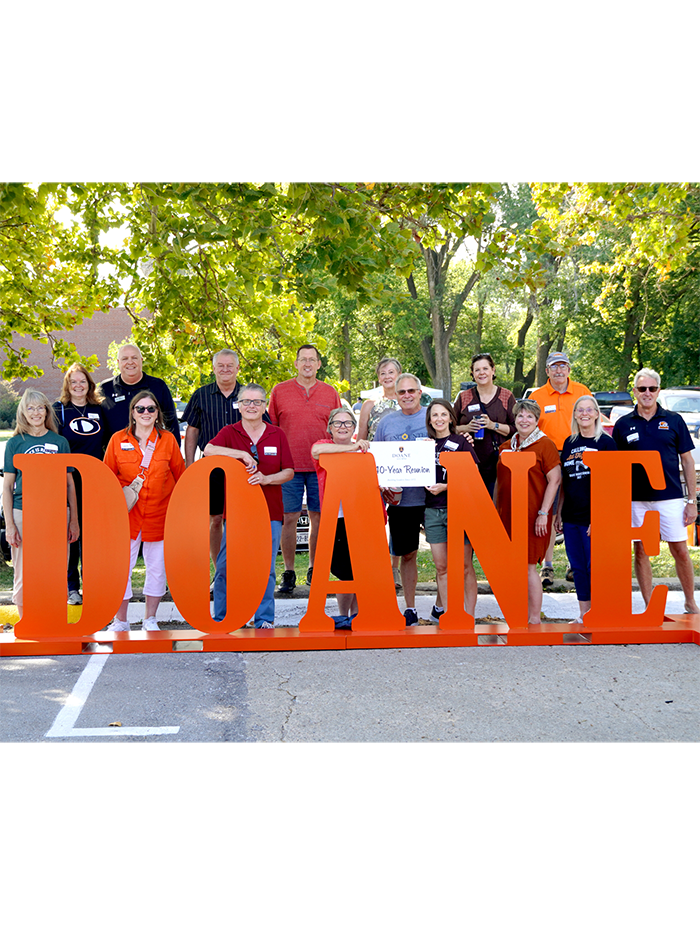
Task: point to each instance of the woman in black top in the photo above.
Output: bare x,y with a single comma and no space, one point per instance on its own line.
574,508
81,421
486,412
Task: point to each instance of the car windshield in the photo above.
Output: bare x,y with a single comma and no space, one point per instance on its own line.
683,403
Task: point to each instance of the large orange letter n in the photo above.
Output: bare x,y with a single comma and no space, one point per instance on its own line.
503,557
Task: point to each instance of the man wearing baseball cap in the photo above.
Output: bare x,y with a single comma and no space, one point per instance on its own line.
556,398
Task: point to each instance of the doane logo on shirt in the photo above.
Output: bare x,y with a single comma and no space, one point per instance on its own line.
85,426
43,448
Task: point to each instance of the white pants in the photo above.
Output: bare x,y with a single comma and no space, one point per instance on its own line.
154,585
670,518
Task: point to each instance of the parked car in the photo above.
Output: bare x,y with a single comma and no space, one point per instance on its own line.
609,400
685,402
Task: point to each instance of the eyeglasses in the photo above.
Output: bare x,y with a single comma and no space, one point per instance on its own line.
559,366
345,425
31,409
252,402
406,391
647,388
145,409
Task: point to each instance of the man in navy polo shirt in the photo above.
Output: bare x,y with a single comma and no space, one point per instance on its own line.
651,427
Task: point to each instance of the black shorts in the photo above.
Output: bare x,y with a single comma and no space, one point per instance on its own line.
217,489
404,528
340,563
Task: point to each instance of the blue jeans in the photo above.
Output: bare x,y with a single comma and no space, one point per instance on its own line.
266,611
578,549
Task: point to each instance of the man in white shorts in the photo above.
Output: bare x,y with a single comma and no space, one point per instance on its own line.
651,427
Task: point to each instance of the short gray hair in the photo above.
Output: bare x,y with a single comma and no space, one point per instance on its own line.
225,353
646,373
335,412
408,376
253,387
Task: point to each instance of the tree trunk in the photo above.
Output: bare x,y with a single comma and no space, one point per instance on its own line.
519,377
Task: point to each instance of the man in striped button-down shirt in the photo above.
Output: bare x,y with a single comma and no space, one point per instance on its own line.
209,409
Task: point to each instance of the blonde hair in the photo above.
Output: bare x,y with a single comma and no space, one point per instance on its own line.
34,396
575,430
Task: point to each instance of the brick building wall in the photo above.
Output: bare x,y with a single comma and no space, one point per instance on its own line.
94,335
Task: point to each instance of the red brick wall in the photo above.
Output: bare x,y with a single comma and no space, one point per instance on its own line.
94,335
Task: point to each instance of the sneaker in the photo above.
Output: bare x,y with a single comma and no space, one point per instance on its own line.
265,626
151,625
547,576
309,575
411,616
343,626
570,574
435,614
119,626
289,582
75,599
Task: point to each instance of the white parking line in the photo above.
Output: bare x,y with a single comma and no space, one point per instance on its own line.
64,724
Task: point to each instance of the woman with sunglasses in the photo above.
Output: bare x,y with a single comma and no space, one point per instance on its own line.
574,507
263,450
486,413
146,457
341,426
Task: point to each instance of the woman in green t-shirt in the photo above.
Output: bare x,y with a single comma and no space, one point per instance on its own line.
36,432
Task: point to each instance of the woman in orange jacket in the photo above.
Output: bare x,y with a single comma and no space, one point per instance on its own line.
147,461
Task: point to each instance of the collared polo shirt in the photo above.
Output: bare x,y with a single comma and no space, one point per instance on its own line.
557,409
117,398
667,433
274,455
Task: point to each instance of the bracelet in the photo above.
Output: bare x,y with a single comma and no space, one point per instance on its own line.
543,513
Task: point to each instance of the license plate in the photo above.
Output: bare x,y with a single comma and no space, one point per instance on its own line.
302,537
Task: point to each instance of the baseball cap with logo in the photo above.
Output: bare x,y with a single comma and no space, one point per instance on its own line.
557,358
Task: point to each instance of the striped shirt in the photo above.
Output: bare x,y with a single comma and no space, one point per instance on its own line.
209,410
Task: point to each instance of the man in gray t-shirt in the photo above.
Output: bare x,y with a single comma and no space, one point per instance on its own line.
406,517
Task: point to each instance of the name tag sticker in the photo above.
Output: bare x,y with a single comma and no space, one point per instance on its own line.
127,446
234,405
549,408
270,450
119,397
632,437
91,415
51,447
450,446
473,407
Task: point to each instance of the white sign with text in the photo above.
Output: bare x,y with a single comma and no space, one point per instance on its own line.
404,464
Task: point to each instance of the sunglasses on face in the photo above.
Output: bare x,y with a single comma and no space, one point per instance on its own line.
407,391
144,409
647,388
